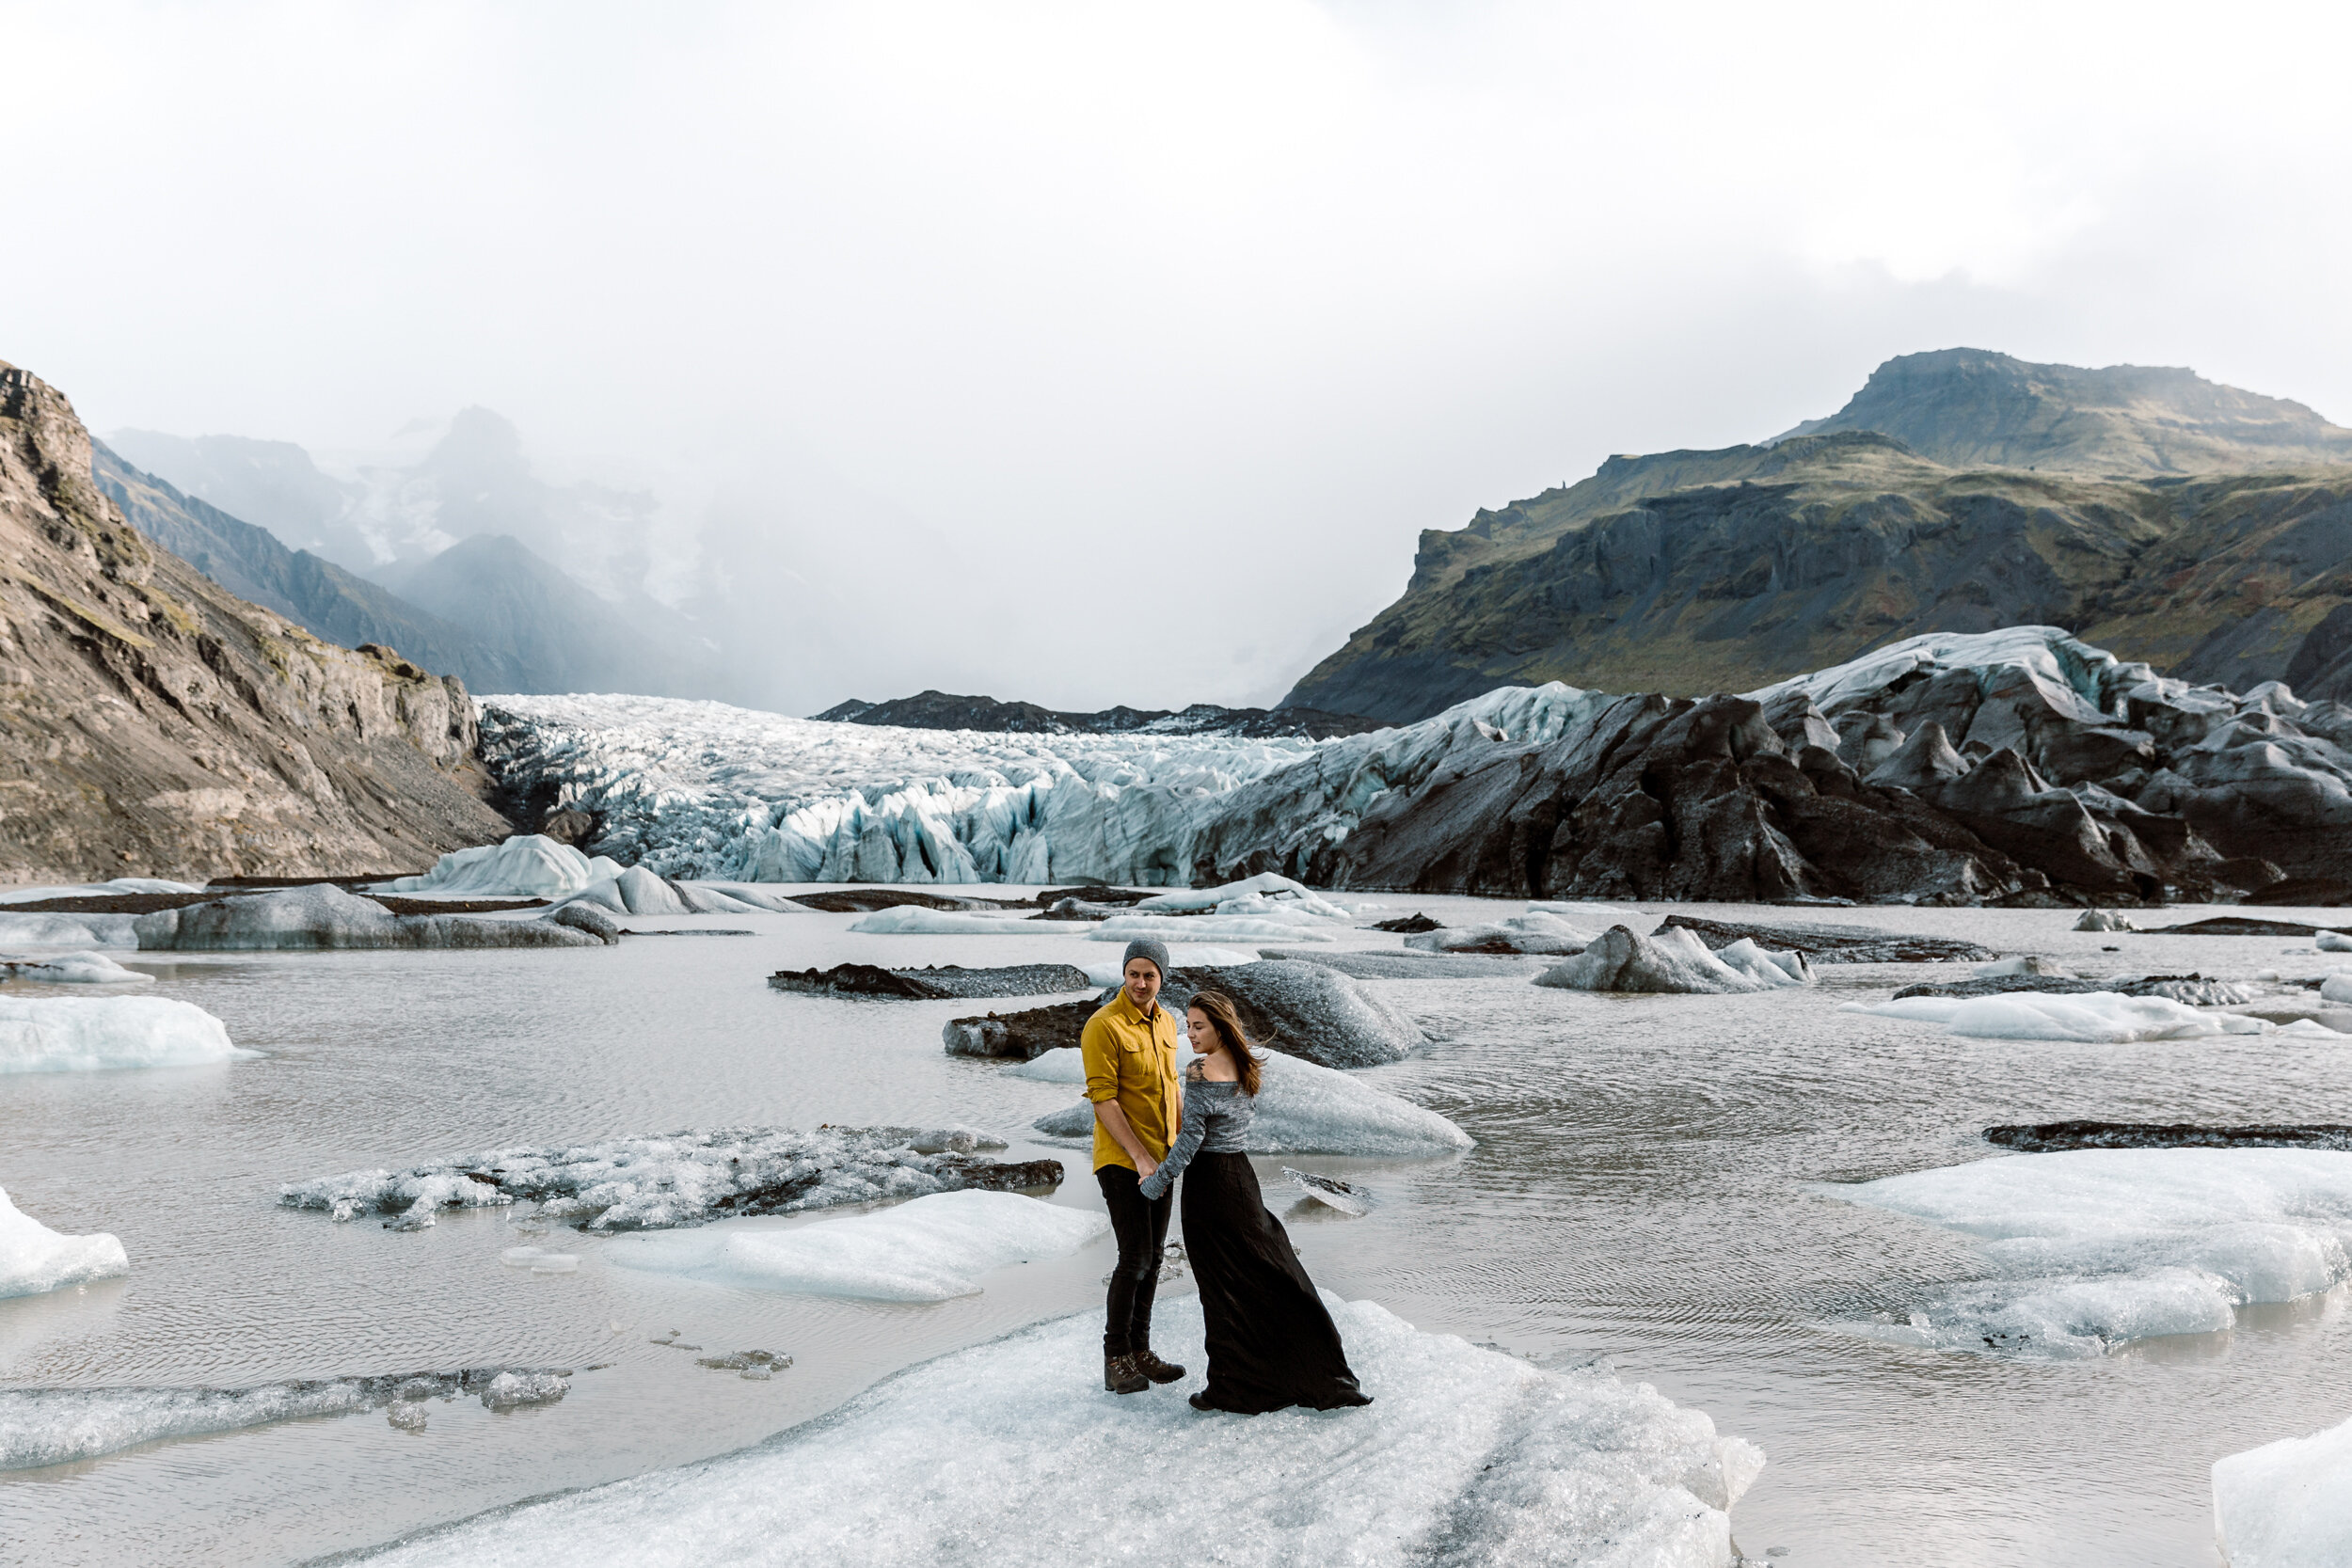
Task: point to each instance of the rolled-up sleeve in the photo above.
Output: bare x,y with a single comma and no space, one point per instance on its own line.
1098,1048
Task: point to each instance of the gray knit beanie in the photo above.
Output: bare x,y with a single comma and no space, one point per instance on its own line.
1144,947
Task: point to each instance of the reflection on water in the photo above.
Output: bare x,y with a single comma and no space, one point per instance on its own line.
1642,1194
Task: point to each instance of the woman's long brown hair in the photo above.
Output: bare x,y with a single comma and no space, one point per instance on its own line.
1226,1020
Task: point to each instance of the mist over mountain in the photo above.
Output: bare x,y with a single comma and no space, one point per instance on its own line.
2007,494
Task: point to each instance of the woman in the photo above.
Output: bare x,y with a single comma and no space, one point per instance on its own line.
1271,1344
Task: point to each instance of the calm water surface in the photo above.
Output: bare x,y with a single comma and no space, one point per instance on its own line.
1644,1193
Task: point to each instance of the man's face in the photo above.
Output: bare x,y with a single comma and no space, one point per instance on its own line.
1143,983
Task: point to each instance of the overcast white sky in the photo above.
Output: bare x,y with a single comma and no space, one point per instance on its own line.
1197,311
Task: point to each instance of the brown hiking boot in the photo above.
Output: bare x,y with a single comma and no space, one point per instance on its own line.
1150,1366
1120,1375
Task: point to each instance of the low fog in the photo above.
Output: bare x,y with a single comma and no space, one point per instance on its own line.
1092,355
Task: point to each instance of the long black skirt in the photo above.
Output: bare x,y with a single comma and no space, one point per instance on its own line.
1271,1343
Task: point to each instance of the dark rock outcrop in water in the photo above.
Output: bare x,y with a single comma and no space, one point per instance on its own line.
153,723
1832,945
1959,492
2051,1136
1307,1010
931,985
939,711
2236,925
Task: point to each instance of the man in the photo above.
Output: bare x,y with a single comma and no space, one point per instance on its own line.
1129,1049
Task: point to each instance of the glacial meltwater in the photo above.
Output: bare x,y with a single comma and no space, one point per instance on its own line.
1952,1371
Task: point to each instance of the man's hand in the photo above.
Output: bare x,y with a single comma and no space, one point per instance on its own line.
1145,1166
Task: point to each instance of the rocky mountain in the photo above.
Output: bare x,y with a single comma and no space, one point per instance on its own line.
323,598
460,548
153,723
1696,572
939,711
1966,407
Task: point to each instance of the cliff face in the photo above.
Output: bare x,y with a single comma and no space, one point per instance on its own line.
153,723
1688,573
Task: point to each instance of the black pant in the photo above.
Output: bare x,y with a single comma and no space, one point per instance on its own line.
1141,1226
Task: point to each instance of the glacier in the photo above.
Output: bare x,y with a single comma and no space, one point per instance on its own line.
35,1258
708,791
2092,1248
932,1248
1466,1455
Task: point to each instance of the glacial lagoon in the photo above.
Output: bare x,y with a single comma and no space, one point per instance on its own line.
1661,1188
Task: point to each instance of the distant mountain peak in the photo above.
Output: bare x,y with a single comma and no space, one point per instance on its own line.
1973,408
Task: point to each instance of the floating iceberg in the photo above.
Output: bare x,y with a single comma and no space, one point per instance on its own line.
928,1249
2287,1504
2104,920
2091,1248
1302,1109
81,1034
2022,963
914,919
1256,892
529,866
1332,1192
66,930
638,890
1466,1455
58,1426
322,917
649,1183
2098,1017
72,969
1536,933
34,1258
1172,928
1672,959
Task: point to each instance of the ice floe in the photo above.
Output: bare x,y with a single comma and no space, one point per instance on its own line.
914,919
679,1179
1264,927
1466,1455
94,889
528,865
2090,1248
2287,1504
58,1426
928,1249
71,969
2091,1017
1538,932
322,917
79,1034
1674,960
2332,942
34,1258
1332,1192
1248,894
1302,1109
20,929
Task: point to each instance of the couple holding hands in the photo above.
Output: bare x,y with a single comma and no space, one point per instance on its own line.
1271,1344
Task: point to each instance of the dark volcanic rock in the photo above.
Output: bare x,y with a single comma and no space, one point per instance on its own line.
940,711
1021,1035
1834,945
2308,892
2051,1136
952,981
1411,924
2237,926
1097,892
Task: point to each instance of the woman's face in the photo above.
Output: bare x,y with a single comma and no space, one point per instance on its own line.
1203,1033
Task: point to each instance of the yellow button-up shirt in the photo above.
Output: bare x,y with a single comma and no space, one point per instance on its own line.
1131,1060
